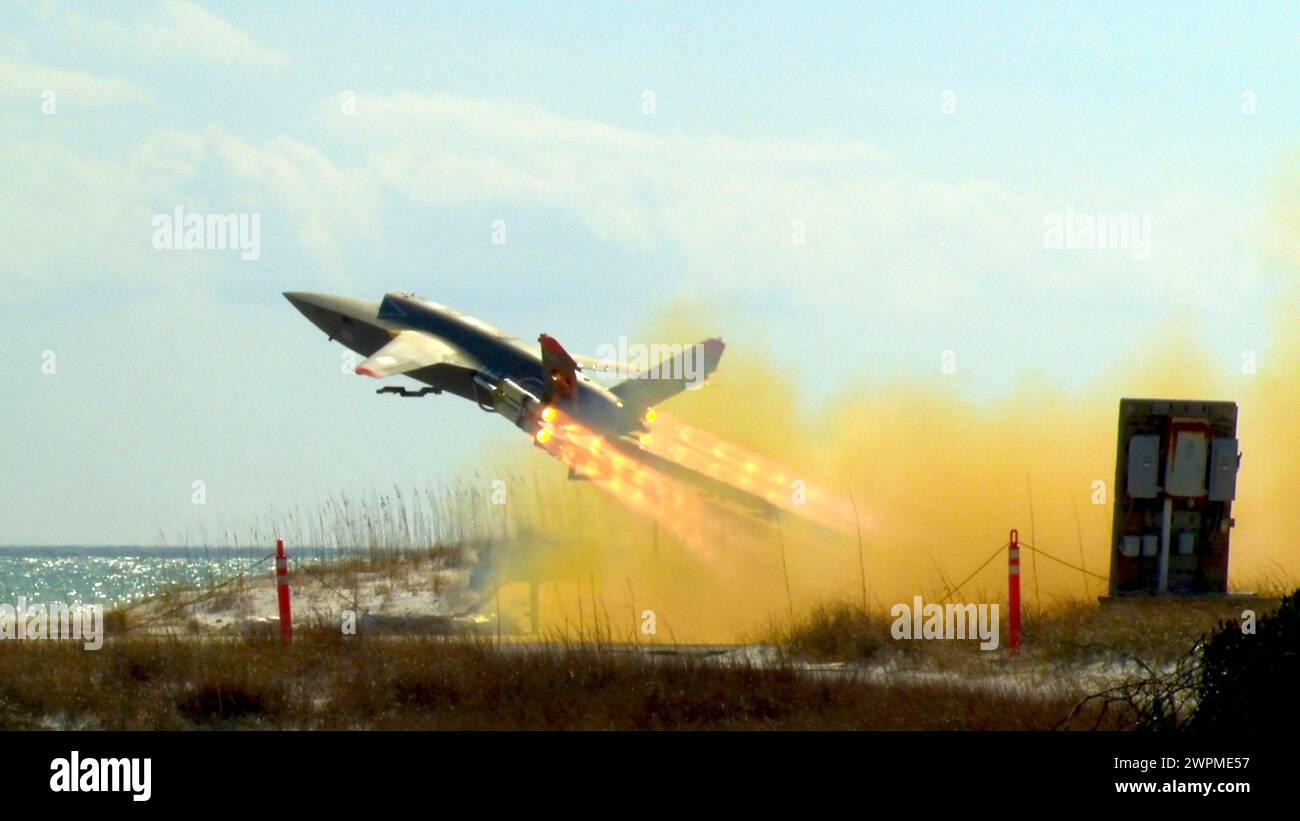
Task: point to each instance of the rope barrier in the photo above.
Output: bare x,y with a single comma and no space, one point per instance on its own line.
953,591
304,568
204,596
1047,555
1043,553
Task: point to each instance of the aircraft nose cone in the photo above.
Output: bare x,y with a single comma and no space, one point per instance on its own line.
298,299
312,306
337,316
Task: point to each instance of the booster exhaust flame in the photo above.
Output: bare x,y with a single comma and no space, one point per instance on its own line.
672,504
707,453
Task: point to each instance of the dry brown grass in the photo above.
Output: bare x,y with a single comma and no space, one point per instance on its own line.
1153,632
837,631
326,681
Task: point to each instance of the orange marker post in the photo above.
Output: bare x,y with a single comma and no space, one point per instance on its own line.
1013,590
282,591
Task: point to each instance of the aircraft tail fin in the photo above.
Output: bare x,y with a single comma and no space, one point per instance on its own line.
668,377
561,369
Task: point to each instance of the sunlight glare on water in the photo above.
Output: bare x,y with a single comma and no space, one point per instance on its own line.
114,575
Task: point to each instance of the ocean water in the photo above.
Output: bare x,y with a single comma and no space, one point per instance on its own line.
113,576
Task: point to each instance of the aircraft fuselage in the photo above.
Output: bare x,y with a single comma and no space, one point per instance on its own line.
492,366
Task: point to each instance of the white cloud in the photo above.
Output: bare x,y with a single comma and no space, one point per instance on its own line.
182,31
723,211
330,206
877,234
72,215
191,31
25,81
730,207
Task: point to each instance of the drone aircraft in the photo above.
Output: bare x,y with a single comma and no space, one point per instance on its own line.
600,432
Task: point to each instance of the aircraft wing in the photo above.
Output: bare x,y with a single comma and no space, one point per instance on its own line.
410,351
668,377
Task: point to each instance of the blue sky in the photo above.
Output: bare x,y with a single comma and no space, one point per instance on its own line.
923,224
